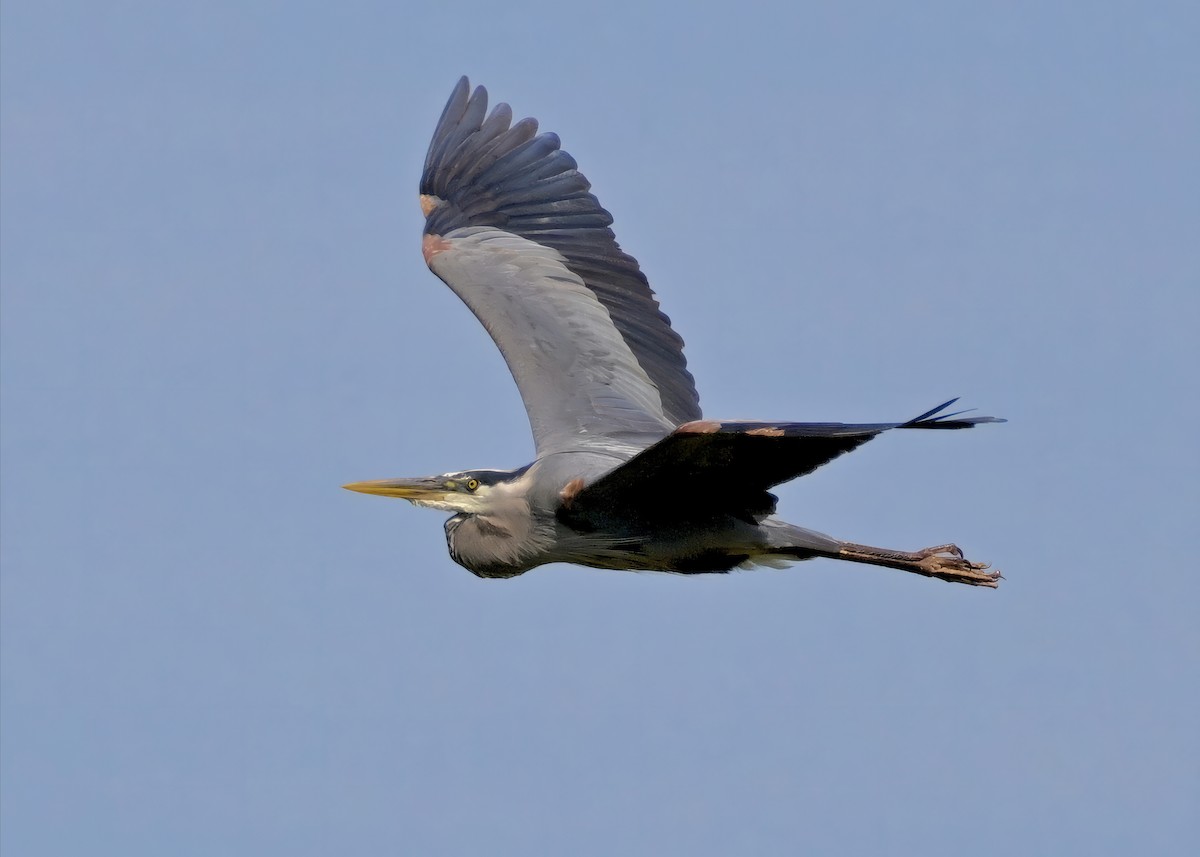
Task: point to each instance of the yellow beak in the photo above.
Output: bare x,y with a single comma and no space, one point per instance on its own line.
424,488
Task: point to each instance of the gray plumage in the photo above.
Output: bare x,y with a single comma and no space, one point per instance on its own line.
627,474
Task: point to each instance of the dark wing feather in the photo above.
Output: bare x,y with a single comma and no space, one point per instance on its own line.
727,467
487,171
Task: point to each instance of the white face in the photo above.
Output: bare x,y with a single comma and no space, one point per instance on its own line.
451,504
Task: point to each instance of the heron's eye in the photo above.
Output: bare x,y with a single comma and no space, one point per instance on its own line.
472,484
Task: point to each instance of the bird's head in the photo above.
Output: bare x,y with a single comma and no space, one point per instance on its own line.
467,491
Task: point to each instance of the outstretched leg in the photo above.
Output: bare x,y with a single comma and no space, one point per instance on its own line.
945,562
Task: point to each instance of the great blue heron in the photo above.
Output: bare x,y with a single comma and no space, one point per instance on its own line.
627,474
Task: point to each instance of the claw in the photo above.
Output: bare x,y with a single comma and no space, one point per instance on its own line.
956,567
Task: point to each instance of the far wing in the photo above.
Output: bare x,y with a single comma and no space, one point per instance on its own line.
484,172
728,466
581,384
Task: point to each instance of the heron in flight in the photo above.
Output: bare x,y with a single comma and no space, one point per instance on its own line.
628,474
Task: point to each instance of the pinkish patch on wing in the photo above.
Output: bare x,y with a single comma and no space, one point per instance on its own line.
699,427
570,491
767,431
429,202
431,245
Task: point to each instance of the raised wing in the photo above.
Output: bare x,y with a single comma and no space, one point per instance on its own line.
727,467
512,229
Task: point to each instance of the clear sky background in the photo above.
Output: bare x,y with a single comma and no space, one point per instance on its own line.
215,313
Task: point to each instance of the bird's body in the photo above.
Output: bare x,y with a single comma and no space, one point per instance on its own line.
628,475
524,525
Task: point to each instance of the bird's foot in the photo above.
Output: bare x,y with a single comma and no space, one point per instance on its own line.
946,562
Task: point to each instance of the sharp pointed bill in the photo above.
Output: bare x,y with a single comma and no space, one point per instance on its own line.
421,491
628,474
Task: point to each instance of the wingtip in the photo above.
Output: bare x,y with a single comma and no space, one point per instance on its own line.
936,411
936,418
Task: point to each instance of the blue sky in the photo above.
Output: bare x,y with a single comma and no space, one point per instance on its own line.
215,313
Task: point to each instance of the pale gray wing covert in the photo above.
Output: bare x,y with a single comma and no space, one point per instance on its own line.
581,384
512,229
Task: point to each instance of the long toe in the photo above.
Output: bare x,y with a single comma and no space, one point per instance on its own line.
956,569
942,550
